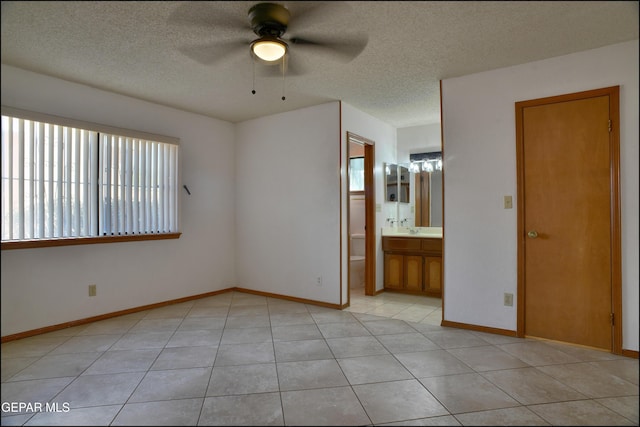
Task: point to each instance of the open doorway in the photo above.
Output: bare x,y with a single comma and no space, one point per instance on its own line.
361,213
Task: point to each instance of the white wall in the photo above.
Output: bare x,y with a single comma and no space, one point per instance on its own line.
288,203
357,212
384,136
48,286
480,168
418,139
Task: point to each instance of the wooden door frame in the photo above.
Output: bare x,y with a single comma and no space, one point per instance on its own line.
614,167
370,219
419,202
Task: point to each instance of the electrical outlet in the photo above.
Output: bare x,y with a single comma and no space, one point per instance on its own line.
92,290
319,280
508,202
508,300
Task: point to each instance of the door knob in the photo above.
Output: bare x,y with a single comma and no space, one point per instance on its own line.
532,234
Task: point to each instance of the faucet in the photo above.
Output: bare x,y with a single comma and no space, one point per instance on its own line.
391,221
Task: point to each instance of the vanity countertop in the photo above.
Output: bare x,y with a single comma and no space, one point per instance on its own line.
421,232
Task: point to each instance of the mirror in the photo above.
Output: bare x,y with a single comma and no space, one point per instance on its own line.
397,183
391,182
428,189
405,184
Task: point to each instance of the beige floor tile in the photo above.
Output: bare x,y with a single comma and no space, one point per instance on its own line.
243,359
467,393
579,413
323,407
398,400
263,409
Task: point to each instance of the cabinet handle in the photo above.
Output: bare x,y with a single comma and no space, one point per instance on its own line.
532,234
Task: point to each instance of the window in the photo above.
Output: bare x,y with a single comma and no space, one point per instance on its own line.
356,174
78,180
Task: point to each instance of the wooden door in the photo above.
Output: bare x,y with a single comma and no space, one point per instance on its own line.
566,219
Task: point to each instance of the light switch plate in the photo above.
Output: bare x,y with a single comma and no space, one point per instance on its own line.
508,300
508,202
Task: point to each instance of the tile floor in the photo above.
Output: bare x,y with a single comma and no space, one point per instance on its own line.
241,359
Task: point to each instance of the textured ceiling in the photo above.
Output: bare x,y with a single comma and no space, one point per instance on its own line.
145,49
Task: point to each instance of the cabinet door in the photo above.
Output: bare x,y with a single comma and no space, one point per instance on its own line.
413,272
393,268
433,275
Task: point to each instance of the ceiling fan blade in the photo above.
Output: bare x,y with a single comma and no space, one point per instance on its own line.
206,14
212,53
341,48
307,13
292,68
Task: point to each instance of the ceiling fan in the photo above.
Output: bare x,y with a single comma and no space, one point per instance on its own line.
279,33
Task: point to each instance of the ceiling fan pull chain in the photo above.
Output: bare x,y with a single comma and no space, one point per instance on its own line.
253,64
283,56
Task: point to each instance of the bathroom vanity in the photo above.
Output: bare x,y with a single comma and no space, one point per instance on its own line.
413,260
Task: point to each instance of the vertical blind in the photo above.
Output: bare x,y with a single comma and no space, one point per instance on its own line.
66,182
139,186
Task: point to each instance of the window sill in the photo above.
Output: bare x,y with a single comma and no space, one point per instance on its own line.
43,243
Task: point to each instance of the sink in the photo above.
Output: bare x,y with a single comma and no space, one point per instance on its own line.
424,232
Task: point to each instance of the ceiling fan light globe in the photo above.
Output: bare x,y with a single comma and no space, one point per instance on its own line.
269,50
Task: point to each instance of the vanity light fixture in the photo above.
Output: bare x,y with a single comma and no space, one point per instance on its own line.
425,165
428,162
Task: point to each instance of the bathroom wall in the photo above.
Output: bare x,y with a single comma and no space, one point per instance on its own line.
418,139
480,261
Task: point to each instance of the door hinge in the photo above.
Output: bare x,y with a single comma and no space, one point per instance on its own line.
609,125
612,319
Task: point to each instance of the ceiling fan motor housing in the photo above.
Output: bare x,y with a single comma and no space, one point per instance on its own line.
269,19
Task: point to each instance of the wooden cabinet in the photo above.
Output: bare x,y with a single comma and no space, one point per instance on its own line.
433,275
412,272
393,271
413,265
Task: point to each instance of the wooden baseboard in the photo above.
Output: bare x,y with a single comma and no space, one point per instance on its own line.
289,298
477,328
105,316
627,353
